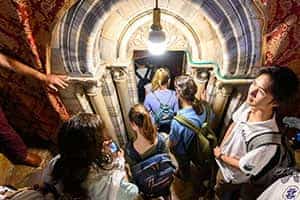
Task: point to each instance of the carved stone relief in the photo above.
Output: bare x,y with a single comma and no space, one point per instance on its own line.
175,39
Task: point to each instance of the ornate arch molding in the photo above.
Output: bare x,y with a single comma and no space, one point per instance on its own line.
238,26
173,24
83,43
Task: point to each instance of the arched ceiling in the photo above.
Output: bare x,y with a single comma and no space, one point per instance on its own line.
97,32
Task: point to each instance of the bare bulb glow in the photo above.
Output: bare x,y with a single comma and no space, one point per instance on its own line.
157,48
157,38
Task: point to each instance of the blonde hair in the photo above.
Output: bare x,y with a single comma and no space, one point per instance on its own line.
160,78
139,115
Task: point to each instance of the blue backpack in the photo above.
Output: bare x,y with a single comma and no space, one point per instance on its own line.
154,174
165,113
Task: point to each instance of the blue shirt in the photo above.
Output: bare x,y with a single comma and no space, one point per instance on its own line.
181,136
165,97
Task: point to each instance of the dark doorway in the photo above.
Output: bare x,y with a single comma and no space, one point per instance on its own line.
146,64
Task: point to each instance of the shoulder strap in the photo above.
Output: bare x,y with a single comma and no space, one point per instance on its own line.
156,114
156,98
184,121
145,76
138,75
133,153
160,143
170,97
148,162
272,163
264,139
147,72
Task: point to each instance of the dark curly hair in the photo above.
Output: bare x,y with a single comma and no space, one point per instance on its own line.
80,142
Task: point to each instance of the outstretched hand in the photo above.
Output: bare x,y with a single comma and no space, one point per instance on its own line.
54,82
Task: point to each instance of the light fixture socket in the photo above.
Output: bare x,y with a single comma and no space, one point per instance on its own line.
156,34
156,20
157,37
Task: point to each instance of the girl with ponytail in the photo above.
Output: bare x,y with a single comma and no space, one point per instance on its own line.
148,144
183,142
161,78
141,123
162,102
146,134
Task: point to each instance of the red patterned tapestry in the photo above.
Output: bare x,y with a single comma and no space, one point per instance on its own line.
282,33
25,31
283,38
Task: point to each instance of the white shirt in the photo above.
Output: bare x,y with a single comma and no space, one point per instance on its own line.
250,163
286,188
100,184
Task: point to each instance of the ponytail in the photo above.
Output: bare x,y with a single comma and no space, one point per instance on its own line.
187,89
160,78
139,115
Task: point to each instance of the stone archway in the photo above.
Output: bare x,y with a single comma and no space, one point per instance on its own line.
94,35
90,27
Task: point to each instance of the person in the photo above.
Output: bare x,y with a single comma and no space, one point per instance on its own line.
143,73
160,96
12,145
183,141
286,187
88,165
147,143
239,164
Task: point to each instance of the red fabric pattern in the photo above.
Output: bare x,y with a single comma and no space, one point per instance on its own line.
25,30
282,33
283,39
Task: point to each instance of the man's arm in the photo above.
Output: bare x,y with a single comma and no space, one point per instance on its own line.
232,161
51,80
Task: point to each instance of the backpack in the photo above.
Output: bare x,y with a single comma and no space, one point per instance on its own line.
165,114
154,174
206,137
141,84
282,159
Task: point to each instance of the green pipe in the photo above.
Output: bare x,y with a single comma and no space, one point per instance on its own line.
217,71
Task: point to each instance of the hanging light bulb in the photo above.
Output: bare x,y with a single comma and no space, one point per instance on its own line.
157,38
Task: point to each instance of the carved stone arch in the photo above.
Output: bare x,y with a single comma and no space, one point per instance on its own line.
180,35
236,24
89,38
